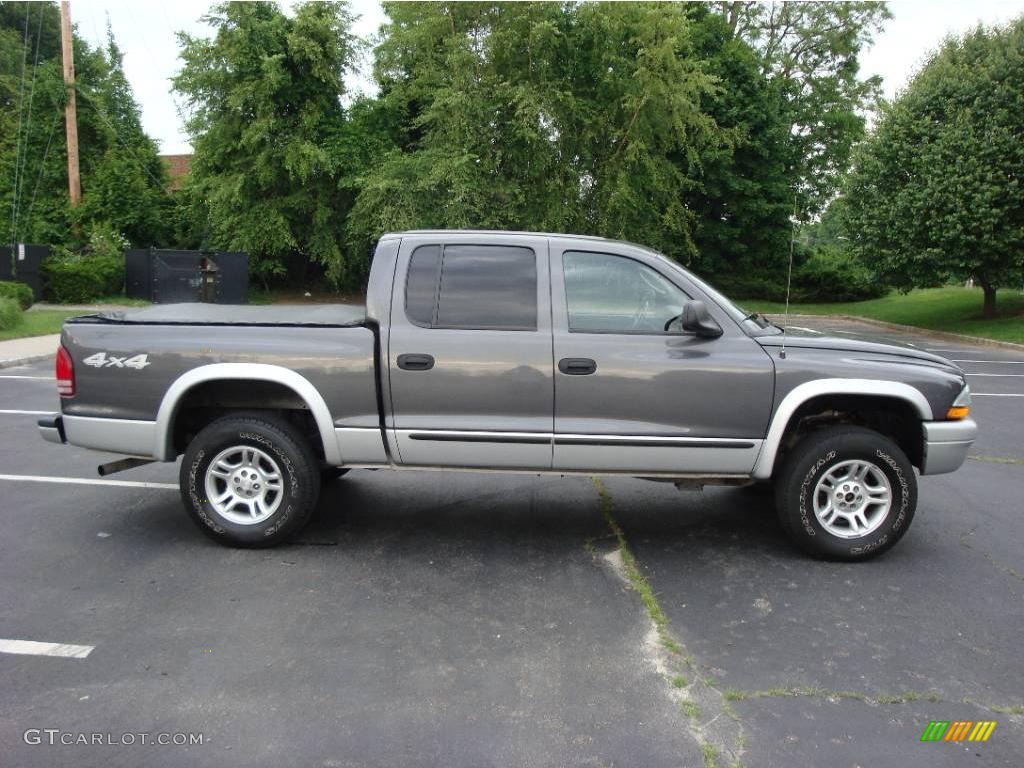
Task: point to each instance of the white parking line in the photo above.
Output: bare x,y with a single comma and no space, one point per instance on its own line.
998,375
994,394
997,362
33,648
37,378
86,481
26,413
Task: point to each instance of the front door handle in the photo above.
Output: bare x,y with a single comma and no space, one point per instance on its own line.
415,362
577,366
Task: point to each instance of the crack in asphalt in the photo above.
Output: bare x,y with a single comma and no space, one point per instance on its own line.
711,720
997,459
907,697
994,562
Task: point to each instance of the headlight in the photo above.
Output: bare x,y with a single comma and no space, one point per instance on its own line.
961,407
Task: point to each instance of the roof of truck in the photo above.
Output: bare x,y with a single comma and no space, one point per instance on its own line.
592,238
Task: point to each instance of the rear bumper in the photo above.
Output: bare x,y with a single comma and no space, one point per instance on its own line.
946,444
51,429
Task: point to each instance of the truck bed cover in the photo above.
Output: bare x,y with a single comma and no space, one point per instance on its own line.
328,315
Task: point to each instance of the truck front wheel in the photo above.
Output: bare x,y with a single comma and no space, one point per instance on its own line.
846,493
249,480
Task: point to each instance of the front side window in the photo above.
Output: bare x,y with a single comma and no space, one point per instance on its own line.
615,294
473,287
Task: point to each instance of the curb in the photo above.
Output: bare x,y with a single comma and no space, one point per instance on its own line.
16,361
937,335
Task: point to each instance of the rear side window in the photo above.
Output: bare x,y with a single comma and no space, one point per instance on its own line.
421,284
474,287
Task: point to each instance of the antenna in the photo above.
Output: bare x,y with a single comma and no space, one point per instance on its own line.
789,278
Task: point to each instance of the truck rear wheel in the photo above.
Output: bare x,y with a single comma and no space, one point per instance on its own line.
249,480
846,493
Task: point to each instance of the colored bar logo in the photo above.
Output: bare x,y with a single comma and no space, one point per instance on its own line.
958,730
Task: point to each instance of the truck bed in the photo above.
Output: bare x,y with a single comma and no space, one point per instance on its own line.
320,315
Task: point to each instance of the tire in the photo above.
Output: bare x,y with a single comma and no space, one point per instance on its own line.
831,518
246,452
332,473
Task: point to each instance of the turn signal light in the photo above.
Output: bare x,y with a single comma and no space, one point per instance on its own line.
65,373
958,412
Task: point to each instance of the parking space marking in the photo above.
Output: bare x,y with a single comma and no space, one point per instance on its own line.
25,413
36,378
86,481
995,394
997,362
34,648
998,375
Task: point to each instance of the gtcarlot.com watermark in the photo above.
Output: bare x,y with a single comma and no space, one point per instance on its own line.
57,737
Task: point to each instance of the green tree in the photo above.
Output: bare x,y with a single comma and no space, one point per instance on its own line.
937,190
810,51
266,118
122,178
573,117
745,199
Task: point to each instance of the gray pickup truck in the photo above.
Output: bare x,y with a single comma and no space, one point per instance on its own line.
513,352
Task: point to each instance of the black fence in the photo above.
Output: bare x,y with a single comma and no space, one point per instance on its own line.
21,263
168,277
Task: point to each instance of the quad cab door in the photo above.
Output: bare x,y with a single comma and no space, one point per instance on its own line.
633,391
470,372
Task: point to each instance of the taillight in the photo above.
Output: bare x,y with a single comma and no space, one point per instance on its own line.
65,373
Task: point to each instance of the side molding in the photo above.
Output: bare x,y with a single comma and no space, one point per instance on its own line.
809,389
163,450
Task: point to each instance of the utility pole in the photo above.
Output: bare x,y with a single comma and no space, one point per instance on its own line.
70,112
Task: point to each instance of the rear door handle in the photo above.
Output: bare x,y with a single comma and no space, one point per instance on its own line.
577,366
415,362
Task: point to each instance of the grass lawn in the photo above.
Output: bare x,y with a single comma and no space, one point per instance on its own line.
42,322
38,323
954,309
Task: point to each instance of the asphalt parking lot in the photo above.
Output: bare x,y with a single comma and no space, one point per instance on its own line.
466,619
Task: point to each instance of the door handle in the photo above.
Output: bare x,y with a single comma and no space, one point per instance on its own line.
415,362
577,366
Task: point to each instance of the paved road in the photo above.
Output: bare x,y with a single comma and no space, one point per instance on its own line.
473,620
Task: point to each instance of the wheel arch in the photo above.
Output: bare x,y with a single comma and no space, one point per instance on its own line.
188,383
809,396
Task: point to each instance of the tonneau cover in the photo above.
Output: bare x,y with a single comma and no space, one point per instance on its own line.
337,315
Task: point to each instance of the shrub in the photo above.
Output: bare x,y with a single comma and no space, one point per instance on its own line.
75,279
832,275
10,313
20,292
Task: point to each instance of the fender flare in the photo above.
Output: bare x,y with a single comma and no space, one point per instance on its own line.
300,385
801,394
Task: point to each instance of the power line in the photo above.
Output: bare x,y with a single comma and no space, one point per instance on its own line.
42,165
20,175
97,108
17,143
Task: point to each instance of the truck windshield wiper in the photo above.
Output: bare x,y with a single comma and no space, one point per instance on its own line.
762,321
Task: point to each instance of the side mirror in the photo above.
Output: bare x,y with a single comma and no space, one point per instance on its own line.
697,319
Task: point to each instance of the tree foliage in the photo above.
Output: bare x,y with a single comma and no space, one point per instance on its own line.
122,178
266,124
810,51
937,191
540,116
697,129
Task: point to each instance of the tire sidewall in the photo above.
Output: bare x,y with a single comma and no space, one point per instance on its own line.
294,501
826,454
